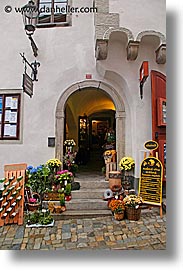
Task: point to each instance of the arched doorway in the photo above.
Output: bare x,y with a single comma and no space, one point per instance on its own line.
89,115
83,87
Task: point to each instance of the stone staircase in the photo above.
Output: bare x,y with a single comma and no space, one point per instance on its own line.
88,201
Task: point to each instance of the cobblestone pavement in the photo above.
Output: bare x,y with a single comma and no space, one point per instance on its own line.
95,233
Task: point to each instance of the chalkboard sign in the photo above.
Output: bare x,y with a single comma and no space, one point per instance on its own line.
150,184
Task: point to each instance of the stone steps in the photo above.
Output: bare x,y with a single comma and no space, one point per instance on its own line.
81,214
87,202
83,204
88,194
94,184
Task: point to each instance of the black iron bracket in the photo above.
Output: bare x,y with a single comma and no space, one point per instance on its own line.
34,46
34,67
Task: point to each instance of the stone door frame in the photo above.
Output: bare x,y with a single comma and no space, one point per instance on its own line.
120,115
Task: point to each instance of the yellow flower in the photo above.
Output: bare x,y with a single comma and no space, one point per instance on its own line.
126,163
54,163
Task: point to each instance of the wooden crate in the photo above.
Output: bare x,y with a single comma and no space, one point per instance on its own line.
111,166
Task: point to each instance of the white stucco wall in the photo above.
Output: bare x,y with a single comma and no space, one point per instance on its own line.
66,56
140,15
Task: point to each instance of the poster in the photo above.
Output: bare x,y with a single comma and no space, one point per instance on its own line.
7,130
13,130
1,103
7,115
8,102
14,103
13,117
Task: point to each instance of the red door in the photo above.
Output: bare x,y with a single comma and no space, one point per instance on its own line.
158,84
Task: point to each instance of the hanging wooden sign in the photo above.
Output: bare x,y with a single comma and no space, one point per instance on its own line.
27,85
150,183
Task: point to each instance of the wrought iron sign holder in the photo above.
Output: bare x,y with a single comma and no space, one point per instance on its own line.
28,80
34,67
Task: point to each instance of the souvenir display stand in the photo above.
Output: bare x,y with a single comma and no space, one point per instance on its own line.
12,194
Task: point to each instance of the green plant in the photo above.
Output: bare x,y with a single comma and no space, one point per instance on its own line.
38,178
39,217
64,175
74,168
62,199
103,170
68,189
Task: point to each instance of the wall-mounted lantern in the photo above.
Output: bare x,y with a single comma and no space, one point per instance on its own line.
144,73
30,13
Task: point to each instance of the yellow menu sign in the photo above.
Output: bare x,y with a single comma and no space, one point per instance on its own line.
150,183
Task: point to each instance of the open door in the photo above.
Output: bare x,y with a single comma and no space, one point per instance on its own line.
158,83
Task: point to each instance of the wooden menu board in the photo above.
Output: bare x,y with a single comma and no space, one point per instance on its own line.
150,184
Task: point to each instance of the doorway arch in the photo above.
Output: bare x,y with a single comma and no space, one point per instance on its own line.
120,114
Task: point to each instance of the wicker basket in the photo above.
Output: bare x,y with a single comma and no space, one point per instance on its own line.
133,214
33,206
119,216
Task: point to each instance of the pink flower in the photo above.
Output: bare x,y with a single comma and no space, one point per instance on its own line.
62,172
32,200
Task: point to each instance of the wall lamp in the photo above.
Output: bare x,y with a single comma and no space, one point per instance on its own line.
30,13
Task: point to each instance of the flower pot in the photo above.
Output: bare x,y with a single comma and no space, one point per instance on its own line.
115,181
63,208
119,216
68,198
133,214
51,196
33,206
58,209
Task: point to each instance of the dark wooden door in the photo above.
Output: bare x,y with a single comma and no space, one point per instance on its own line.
158,84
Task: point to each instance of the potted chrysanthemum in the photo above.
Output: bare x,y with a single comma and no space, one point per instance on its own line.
118,209
132,205
54,164
126,166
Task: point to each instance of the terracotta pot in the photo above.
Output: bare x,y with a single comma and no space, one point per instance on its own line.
115,181
58,209
63,208
119,216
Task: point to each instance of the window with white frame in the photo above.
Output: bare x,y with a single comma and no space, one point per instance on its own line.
53,12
